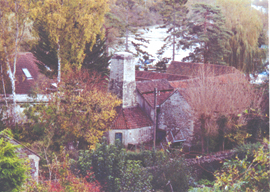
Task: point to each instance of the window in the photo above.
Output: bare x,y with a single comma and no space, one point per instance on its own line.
118,136
27,74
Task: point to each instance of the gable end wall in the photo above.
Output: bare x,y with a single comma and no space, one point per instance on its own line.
175,113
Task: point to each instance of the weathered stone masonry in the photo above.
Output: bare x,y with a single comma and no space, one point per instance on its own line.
122,78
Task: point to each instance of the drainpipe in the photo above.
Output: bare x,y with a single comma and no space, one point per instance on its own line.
155,117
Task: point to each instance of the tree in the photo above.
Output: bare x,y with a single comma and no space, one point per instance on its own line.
174,17
14,21
12,168
96,59
206,35
246,26
211,97
126,17
69,25
45,52
78,115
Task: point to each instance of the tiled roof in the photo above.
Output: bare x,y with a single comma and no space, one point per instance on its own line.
194,69
148,86
131,118
145,75
184,83
222,79
26,60
161,97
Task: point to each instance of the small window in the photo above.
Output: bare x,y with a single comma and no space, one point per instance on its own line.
118,136
27,74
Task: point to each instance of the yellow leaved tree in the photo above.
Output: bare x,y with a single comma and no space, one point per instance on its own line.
70,24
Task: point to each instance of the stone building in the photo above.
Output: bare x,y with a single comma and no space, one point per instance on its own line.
144,113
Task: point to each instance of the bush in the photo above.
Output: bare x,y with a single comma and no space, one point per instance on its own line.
245,174
134,178
172,173
119,170
12,168
65,181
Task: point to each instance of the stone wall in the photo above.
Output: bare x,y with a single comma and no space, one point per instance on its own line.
145,106
175,113
132,136
122,78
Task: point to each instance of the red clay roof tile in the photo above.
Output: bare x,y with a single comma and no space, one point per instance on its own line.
161,97
146,75
131,118
149,86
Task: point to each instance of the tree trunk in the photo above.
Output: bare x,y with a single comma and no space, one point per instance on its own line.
4,89
202,133
59,63
12,80
173,34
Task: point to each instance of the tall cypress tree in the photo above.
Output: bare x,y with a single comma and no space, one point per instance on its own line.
206,35
45,53
96,59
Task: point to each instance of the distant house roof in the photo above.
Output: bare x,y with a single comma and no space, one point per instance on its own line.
131,118
221,79
149,86
194,69
27,73
146,75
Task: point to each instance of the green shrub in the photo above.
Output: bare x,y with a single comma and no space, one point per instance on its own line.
119,170
245,174
135,178
12,168
173,171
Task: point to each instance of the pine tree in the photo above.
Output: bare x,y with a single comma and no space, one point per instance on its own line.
127,16
174,18
206,35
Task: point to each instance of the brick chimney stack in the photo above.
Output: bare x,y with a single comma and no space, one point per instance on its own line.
122,78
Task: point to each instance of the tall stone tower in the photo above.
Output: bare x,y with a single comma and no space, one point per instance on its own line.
122,78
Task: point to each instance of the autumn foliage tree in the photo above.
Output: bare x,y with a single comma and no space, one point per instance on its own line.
70,25
78,114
